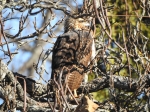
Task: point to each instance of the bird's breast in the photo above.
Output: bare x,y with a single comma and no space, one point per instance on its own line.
74,79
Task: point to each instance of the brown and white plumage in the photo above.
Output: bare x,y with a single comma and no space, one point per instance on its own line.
72,53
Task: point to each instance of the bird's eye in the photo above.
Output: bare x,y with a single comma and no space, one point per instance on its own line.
81,21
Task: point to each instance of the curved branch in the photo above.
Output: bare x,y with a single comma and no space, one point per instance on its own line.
119,82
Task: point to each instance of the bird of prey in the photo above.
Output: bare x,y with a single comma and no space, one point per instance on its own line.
72,53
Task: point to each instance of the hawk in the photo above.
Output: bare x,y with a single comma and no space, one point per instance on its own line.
72,53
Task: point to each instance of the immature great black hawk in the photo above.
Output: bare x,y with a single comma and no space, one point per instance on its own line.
72,53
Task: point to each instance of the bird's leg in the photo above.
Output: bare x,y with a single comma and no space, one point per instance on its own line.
75,93
72,96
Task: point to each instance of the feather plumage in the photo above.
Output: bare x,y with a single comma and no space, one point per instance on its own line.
72,54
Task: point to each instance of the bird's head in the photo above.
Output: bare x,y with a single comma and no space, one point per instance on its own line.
77,24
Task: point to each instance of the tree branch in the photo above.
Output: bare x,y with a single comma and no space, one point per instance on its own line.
119,82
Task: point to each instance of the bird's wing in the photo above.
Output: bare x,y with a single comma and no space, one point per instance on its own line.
84,53
72,52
